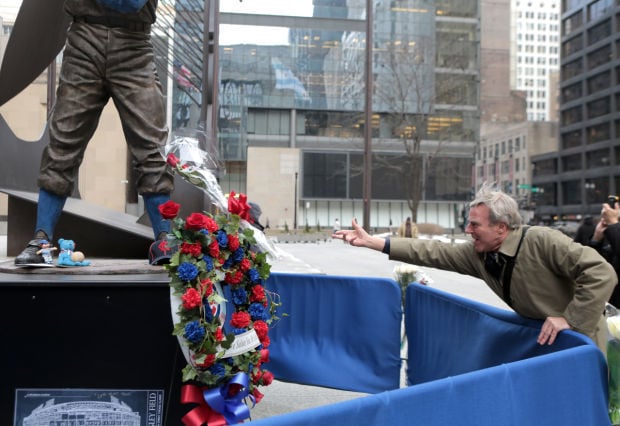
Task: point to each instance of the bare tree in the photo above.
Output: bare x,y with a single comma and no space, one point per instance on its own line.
417,103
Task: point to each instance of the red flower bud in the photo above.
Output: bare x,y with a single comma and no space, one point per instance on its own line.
172,160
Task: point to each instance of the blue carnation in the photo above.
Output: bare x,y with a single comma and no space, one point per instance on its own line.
208,263
228,263
239,296
194,332
204,231
187,271
253,275
217,370
222,238
238,255
258,312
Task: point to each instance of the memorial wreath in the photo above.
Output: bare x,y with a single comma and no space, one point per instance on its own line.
223,311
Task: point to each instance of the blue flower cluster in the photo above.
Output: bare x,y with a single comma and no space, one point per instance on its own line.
187,271
258,312
239,296
194,332
254,276
222,238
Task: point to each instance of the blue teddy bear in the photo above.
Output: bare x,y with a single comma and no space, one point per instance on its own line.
67,255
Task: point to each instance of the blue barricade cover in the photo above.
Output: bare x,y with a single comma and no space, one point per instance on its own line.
473,365
450,335
562,388
340,332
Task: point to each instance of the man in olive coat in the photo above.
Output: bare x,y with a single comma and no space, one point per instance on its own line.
553,278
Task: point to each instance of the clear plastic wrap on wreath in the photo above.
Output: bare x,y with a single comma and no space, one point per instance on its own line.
198,168
613,361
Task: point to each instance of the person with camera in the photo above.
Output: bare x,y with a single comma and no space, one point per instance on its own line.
606,240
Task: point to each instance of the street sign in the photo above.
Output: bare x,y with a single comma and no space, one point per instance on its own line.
525,186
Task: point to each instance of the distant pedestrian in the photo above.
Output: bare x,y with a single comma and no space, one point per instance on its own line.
408,229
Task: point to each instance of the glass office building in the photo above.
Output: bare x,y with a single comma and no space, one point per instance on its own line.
291,102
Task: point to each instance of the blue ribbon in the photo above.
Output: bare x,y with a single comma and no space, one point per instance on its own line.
232,407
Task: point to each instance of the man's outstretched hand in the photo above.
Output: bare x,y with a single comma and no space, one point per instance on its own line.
358,237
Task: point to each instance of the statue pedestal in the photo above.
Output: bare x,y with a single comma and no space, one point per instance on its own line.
105,326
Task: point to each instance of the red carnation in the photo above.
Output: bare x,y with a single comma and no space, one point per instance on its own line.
240,319
214,249
208,362
245,264
258,293
239,206
265,341
172,160
219,334
256,377
206,287
264,355
194,249
267,378
191,298
211,225
234,277
196,222
261,329
169,210
257,395
233,242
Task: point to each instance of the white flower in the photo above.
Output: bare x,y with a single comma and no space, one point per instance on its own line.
613,325
406,273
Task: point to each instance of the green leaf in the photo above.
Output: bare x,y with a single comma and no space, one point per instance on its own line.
189,373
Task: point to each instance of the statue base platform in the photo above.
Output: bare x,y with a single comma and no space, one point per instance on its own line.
104,326
98,266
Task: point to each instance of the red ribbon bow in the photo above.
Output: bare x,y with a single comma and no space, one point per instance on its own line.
202,414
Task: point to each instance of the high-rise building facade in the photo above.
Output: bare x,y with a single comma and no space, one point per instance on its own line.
291,111
585,169
535,55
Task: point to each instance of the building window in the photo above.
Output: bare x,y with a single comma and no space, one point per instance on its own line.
572,69
573,45
545,167
599,32
571,139
571,116
571,192
571,163
599,82
572,92
599,57
599,158
598,107
598,133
